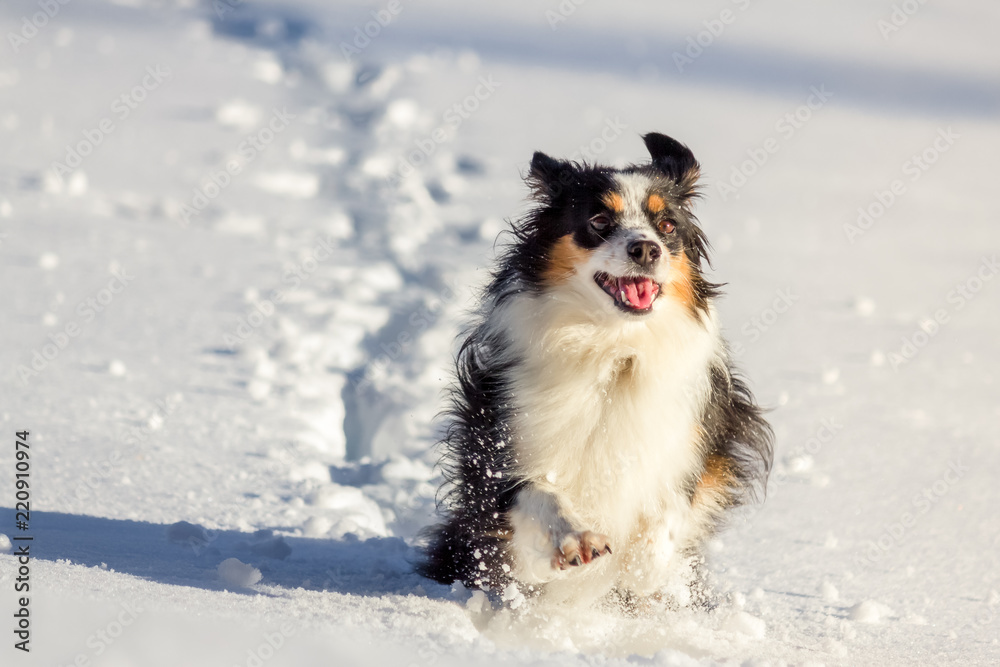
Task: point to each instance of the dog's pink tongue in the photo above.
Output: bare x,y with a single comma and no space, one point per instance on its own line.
640,292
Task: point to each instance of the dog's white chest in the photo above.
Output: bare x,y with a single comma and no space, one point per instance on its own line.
607,418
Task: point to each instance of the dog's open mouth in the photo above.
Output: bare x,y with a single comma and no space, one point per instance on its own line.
633,294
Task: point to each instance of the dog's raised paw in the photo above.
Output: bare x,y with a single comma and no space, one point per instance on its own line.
580,548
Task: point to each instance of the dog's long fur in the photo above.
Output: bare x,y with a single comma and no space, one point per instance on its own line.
593,443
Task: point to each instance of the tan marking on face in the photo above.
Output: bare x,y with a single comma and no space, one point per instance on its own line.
681,285
613,200
655,203
564,258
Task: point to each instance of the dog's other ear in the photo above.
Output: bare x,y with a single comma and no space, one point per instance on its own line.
673,158
548,177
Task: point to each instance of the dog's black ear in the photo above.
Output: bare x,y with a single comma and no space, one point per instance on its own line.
548,177
672,158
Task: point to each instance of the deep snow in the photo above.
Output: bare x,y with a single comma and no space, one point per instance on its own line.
257,275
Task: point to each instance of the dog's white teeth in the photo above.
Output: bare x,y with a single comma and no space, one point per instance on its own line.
625,298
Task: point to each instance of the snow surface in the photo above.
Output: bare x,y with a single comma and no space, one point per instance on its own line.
249,391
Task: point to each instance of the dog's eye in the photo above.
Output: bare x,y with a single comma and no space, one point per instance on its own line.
666,226
600,223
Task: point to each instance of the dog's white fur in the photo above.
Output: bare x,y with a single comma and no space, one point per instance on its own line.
606,425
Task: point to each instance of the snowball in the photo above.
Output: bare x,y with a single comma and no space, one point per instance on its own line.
78,184
869,611
295,184
268,70
237,573
5,545
745,624
117,368
402,113
864,306
238,114
48,261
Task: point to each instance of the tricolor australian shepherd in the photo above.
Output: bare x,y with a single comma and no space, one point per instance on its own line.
598,431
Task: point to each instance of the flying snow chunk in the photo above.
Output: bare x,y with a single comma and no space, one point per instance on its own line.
745,624
234,572
337,76
48,261
295,184
829,592
5,545
869,611
117,368
239,114
268,70
78,184
864,306
402,113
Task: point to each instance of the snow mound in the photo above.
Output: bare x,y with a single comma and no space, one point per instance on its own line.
186,533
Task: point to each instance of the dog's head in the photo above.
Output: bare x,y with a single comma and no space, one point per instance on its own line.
625,239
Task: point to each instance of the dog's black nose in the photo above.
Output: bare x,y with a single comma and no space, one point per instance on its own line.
644,253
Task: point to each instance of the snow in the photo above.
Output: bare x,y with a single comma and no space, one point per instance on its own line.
231,374
236,573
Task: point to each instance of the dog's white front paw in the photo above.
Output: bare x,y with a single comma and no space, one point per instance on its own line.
579,548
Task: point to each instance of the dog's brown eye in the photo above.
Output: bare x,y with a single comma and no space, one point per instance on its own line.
666,226
600,223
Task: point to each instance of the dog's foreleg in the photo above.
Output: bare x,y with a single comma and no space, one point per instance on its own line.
547,543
